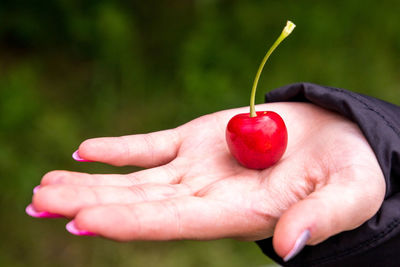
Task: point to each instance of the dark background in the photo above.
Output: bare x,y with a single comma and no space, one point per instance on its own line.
71,70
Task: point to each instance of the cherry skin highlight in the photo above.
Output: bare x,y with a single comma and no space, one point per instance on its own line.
257,142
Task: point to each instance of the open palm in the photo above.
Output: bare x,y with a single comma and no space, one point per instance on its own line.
328,181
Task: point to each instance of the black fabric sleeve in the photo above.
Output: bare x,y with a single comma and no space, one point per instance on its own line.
377,241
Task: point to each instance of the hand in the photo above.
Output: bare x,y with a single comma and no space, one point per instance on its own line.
328,181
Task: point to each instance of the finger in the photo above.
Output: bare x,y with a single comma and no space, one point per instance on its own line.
78,178
68,200
324,213
167,174
144,150
185,217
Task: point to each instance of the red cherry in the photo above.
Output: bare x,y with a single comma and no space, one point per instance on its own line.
257,142
258,139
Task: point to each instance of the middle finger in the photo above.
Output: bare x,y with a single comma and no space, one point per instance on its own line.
67,200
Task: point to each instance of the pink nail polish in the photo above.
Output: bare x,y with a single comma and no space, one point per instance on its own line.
71,227
36,189
299,245
76,157
30,210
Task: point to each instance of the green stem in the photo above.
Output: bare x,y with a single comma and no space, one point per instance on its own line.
285,33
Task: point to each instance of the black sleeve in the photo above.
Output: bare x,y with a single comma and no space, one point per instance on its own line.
377,241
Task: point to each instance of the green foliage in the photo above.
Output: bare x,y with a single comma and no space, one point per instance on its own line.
71,69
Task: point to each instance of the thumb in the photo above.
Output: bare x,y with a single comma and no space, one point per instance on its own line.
324,213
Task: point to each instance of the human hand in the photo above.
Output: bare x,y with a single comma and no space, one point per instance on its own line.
328,181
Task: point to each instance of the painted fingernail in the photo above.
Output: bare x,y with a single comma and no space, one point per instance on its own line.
76,157
71,227
30,210
35,189
299,245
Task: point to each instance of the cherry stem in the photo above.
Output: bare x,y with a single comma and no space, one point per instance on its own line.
285,33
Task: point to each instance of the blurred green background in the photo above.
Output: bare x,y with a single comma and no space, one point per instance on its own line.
73,69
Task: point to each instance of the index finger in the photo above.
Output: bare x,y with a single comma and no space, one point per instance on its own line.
186,217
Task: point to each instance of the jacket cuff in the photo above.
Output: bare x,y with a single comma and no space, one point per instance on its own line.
378,120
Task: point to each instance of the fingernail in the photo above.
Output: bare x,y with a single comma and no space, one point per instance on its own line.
299,245
35,189
30,210
71,227
76,157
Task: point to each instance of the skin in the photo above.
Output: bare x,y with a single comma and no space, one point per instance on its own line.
328,181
